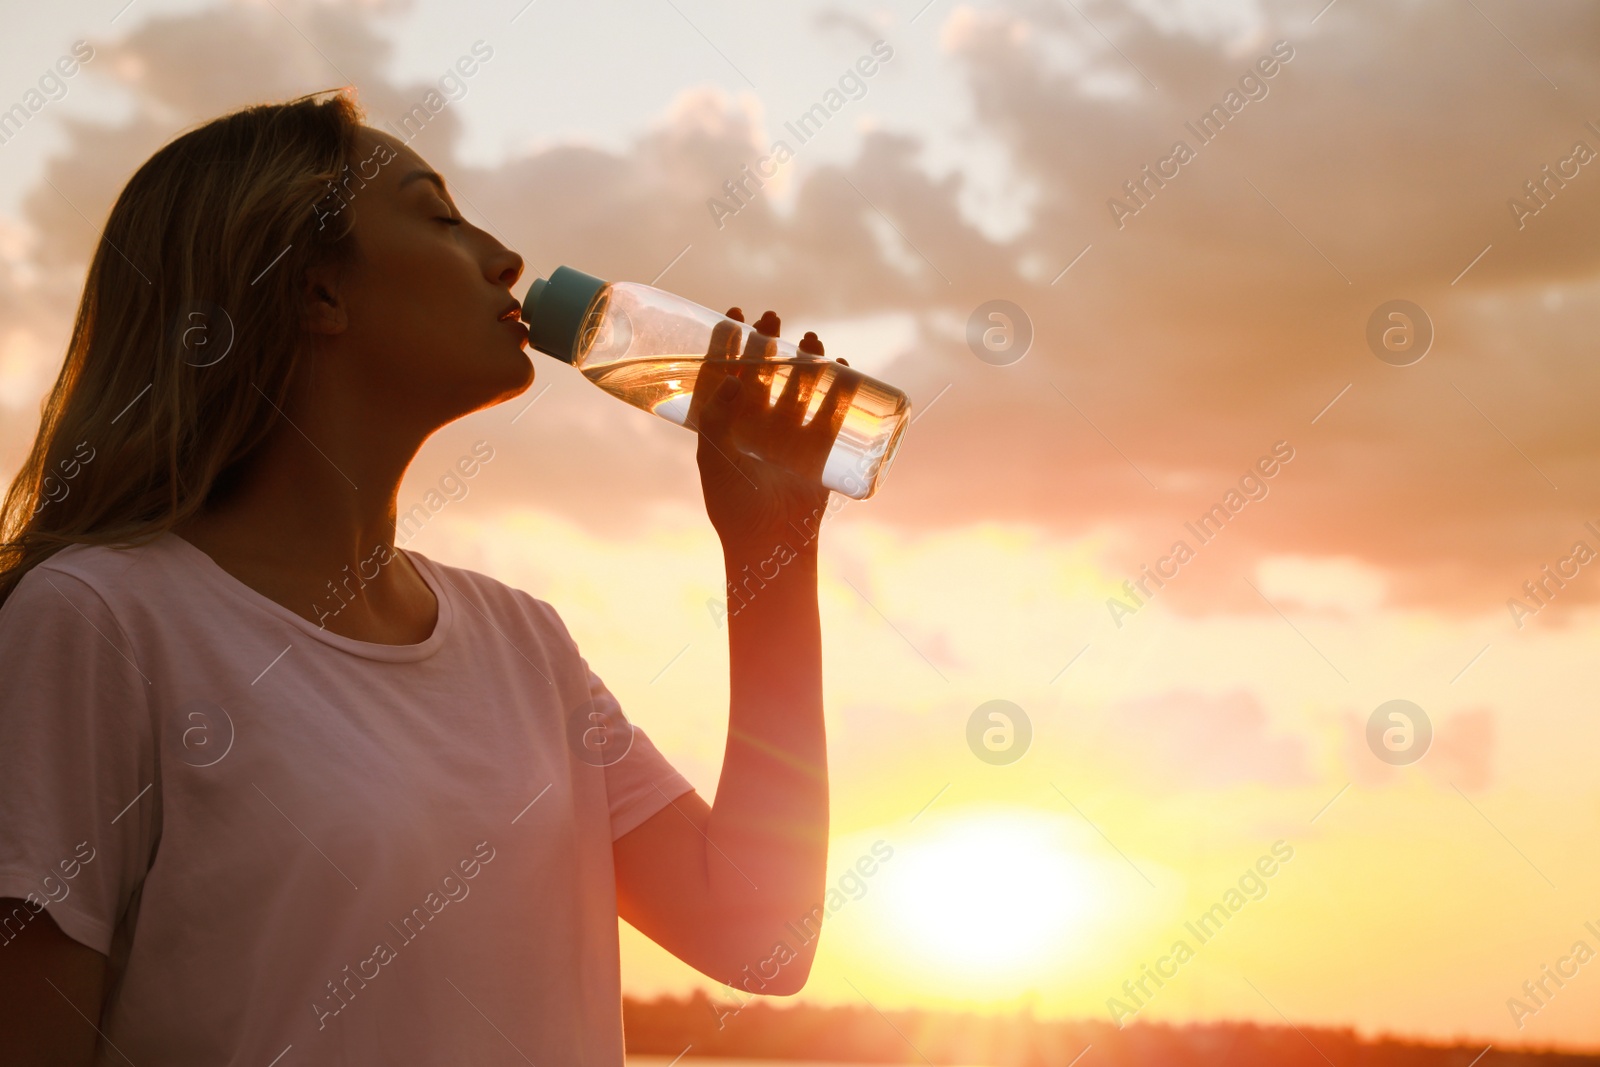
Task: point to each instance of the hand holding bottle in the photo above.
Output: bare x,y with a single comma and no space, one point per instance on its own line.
756,502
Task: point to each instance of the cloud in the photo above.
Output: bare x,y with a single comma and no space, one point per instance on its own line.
1222,317
1465,749
1461,753
1186,739
1213,323
1339,585
850,24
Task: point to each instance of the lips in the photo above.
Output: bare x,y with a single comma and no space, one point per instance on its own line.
511,313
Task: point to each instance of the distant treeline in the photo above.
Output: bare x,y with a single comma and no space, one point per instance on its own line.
765,1030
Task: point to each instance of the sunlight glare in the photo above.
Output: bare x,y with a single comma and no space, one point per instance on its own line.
993,892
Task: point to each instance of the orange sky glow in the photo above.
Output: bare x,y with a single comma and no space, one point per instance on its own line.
1209,358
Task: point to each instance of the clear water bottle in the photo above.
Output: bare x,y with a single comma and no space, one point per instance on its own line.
649,347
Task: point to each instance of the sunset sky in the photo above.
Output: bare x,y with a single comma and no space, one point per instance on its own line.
1175,343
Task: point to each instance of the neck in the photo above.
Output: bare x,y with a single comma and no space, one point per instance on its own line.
316,498
311,523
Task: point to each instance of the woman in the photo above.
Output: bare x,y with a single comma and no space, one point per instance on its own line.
239,827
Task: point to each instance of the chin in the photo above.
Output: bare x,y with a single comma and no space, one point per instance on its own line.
523,378
515,379
487,376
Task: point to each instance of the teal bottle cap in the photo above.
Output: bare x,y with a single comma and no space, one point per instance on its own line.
556,308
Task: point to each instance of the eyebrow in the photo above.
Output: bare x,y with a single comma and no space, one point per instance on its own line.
425,175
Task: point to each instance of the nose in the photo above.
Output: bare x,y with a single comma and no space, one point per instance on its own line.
504,267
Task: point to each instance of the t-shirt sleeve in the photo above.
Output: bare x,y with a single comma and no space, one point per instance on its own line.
642,782
78,815
639,783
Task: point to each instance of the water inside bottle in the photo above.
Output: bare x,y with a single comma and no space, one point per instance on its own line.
867,435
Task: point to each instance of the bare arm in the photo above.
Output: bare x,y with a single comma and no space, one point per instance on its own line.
41,1025
736,890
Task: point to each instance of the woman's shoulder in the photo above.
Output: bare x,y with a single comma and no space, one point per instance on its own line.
77,604
494,598
108,571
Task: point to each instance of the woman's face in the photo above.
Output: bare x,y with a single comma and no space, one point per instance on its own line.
424,330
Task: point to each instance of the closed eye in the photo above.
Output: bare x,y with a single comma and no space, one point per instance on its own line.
452,222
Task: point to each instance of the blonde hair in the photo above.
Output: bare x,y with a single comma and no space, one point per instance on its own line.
188,332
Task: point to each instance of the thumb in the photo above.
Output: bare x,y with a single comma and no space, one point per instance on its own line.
716,412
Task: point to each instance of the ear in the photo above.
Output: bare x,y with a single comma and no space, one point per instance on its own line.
323,305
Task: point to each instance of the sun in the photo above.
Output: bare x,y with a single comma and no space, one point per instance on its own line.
994,892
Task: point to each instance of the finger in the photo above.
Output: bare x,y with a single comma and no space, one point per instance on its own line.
802,382
836,403
797,390
724,340
714,406
800,386
759,345
730,334
722,348
719,409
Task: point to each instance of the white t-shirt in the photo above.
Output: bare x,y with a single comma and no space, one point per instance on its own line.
298,848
